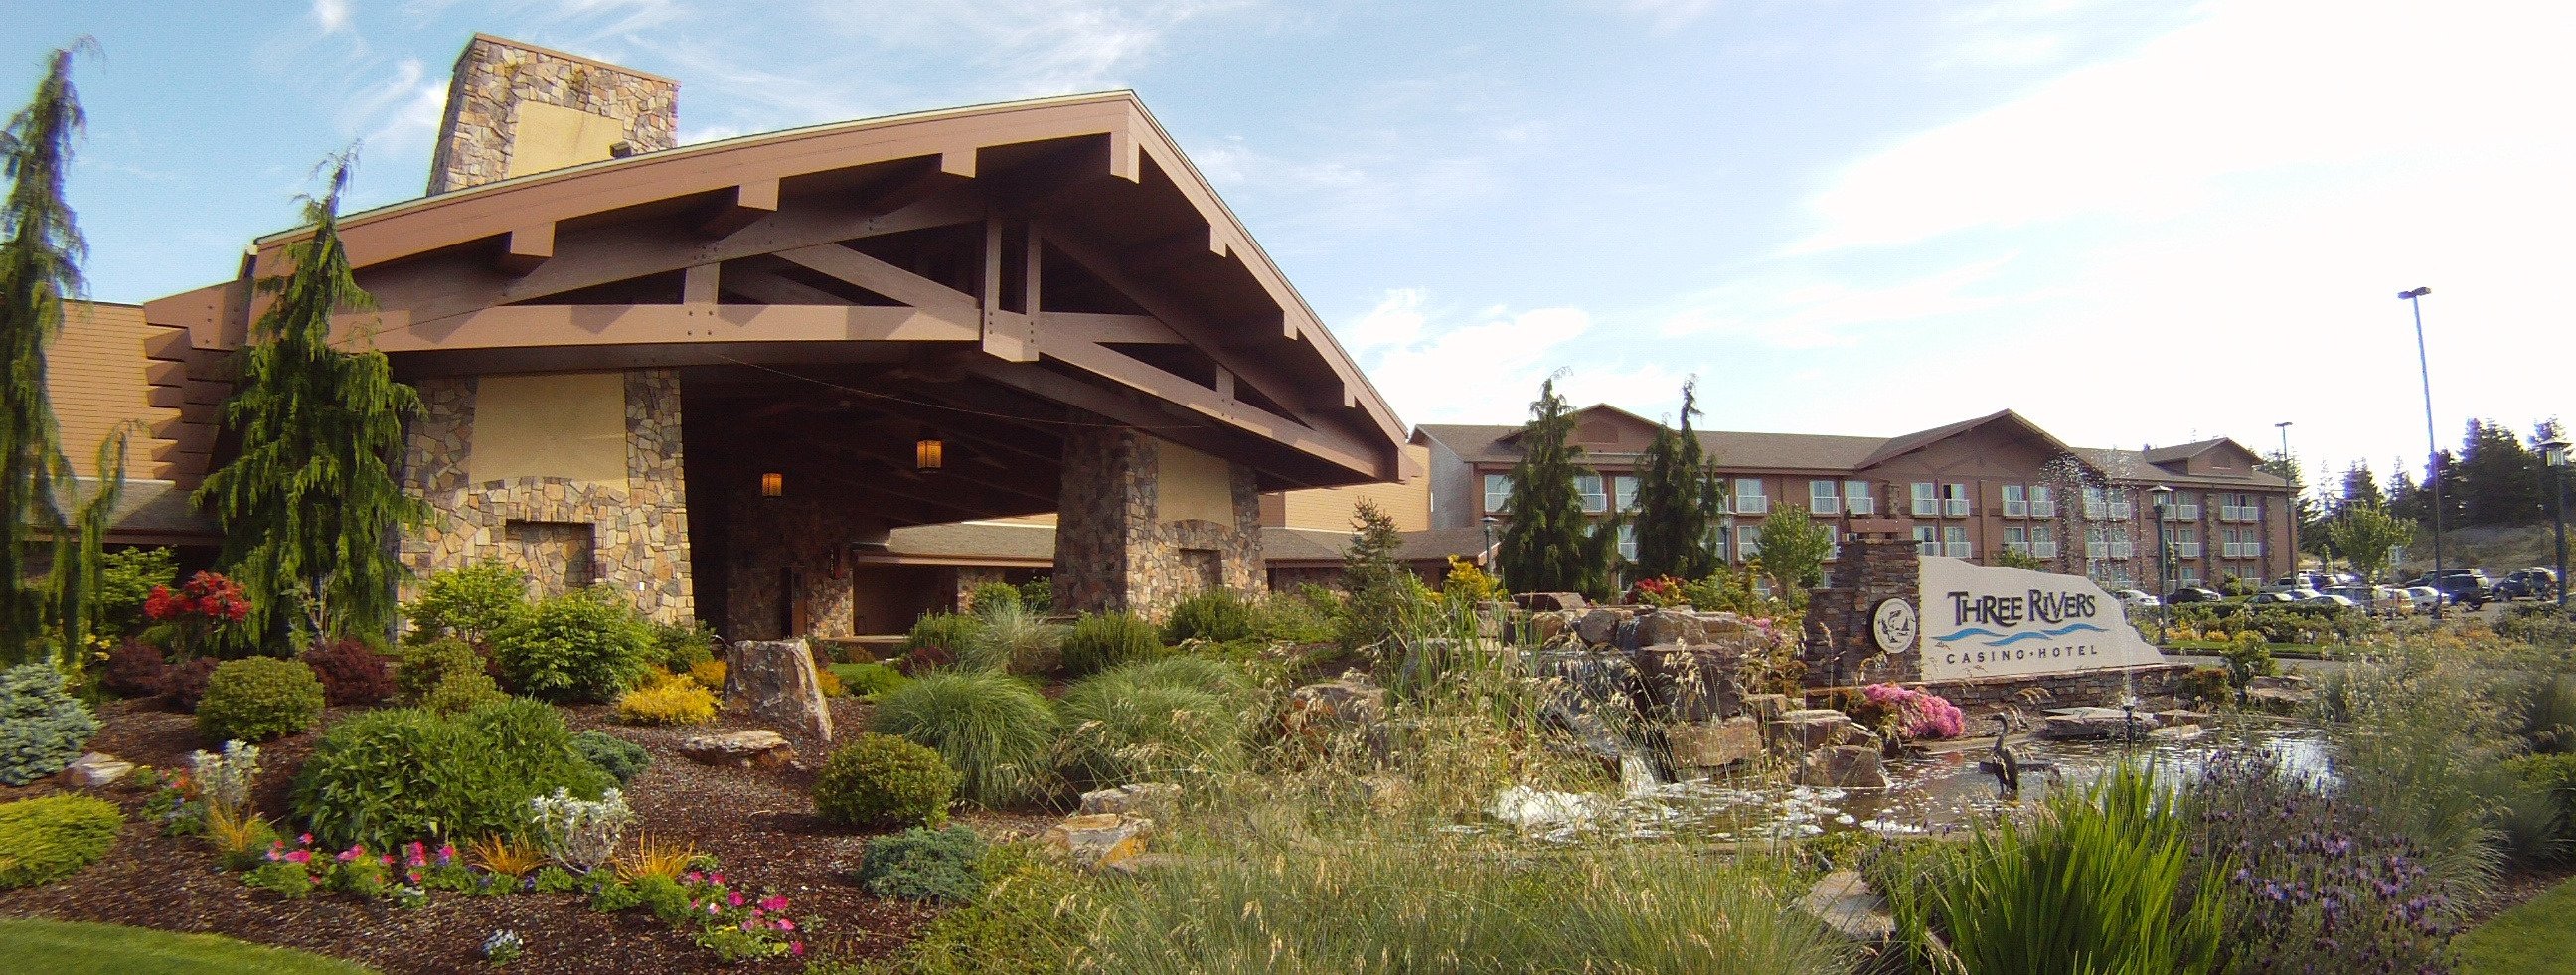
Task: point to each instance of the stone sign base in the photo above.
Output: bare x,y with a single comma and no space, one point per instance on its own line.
2084,687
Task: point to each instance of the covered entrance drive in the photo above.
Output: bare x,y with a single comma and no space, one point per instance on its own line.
718,377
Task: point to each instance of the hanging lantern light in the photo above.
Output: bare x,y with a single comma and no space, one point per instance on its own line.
773,484
926,454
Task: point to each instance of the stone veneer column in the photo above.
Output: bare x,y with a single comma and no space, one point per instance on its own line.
493,77
639,529
1113,550
1878,562
803,529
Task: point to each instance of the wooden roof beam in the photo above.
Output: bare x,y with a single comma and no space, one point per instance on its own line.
749,202
525,248
534,326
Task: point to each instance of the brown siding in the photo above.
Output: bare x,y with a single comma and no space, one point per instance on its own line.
99,377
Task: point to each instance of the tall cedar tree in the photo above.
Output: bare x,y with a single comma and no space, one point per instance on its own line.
310,506
40,255
1379,585
1548,544
1676,499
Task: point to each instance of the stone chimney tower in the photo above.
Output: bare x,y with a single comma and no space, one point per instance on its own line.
515,109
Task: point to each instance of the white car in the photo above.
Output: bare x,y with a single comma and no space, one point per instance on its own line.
2424,597
2283,597
2324,599
2134,600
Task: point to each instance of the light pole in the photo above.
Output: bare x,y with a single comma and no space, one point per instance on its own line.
2164,567
1487,556
2290,509
2554,453
2432,441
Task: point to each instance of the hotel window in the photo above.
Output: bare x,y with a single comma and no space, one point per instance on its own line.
1748,542
2185,507
1748,497
2189,574
2043,542
1628,542
1498,489
2097,544
1926,542
2096,507
1822,500
2120,508
1834,544
1954,541
2017,539
2042,503
2186,541
1954,500
2016,501
1624,487
1589,485
1857,499
1927,499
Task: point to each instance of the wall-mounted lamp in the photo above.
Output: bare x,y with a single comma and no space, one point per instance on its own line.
926,455
773,484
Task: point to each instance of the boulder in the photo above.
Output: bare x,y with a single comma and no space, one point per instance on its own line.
1546,626
2094,724
1846,904
1351,700
1152,799
1549,602
1099,840
1812,728
95,770
1844,767
1598,625
1667,626
1715,744
1690,683
2179,733
1767,707
742,749
2279,700
774,681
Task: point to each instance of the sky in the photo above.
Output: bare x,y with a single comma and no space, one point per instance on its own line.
2134,223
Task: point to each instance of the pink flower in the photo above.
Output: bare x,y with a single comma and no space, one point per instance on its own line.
734,899
348,855
719,879
746,927
796,948
693,876
306,839
300,856
773,903
786,925
711,909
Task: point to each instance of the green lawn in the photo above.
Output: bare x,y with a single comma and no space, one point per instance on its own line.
2537,938
64,948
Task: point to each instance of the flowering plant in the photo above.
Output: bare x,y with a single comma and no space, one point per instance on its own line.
1659,592
225,778
736,927
207,605
1920,714
581,834
503,947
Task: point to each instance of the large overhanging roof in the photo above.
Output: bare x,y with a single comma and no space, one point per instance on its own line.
1062,247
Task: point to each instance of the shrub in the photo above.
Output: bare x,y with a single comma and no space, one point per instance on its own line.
2357,900
1191,670
392,775
827,682
868,680
1028,919
126,578
202,618
1281,618
462,691
423,665
469,603
994,597
1216,615
1104,640
42,728
709,674
951,632
623,760
671,700
583,646
994,729
1038,595
1922,715
680,647
136,669
1016,640
48,838
2204,684
2105,882
1134,723
920,864
258,698
352,673
578,833
184,684
884,782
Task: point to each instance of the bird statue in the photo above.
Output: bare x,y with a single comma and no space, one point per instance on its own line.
2006,767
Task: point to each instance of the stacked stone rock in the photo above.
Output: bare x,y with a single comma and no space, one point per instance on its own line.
1113,548
1877,564
638,528
494,77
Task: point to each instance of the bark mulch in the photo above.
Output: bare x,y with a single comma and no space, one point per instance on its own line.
758,823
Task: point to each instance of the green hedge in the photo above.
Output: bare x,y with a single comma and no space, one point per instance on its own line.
49,838
255,699
401,774
884,782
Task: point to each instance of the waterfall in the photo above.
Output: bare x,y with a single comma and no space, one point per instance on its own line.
1636,775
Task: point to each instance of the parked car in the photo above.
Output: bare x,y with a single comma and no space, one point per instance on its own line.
2298,580
2423,597
2283,597
2134,600
2534,583
2376,600
2330,599
2192,594
2468,590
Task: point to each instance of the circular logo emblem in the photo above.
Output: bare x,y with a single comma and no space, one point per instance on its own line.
1893,626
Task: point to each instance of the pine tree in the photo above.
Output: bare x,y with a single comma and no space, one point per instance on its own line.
2361,486
1380,587
1673,501
40,255
310,506
2499,478
1546,544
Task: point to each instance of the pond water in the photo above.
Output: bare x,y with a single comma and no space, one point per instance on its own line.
1937,792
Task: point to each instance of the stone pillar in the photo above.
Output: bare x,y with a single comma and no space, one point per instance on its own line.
515,109
1879,562
1142,524
804,534
630,533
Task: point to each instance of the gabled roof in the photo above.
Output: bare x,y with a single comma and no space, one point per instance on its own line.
2139,467
1909,443
1787,451
2183,452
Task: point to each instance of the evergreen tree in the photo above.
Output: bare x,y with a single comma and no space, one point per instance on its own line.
2307,517
1546,545
310,507
1381,588
40,255
1673,503
2499,478
2361,486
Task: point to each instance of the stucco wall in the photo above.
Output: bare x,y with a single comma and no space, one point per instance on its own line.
564,425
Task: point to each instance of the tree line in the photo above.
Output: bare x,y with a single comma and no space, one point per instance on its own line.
2495,479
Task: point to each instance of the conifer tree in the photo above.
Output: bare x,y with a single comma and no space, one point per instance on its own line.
1546,544
1380,587
1674,502
310,506
40,255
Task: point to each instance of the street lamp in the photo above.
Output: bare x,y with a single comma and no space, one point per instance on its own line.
2161,494
2554,453
2290,511
2432,442
1487,556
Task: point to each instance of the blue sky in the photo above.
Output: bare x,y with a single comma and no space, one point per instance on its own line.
2135,223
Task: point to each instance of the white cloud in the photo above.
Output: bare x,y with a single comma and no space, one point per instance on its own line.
1667,14
1438,365
1788,307
333,15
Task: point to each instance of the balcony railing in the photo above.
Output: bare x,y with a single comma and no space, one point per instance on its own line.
1955,507
2123,511
1927,548
2043,509
2045,550
2016,509
1956,550
1862,506
2097,550
1825,505
2122,550
1756,505
2183,512
1926,509
2096,510
2186,550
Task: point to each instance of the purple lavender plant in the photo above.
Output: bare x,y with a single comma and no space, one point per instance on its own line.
2316,889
